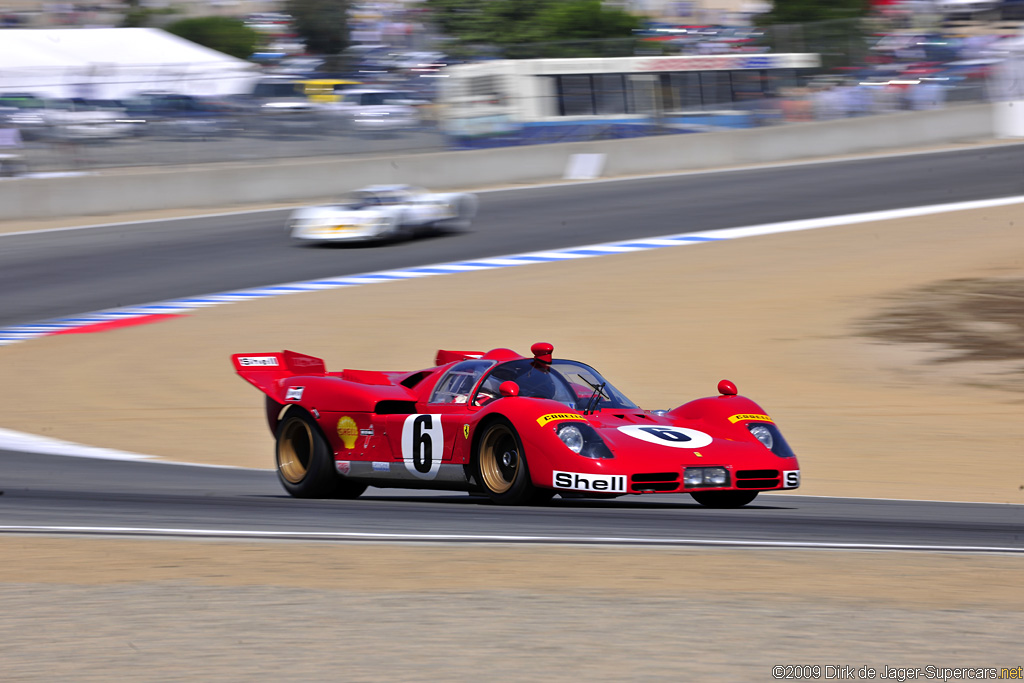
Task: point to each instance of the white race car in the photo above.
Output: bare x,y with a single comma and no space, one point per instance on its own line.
382,212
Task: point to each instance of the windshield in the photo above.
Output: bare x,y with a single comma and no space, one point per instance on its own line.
576,385
275,89
361,199
373,99
591,388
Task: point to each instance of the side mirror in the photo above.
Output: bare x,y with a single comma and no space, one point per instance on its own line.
509,388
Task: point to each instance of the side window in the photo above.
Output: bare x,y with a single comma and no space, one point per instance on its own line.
458,383
535,381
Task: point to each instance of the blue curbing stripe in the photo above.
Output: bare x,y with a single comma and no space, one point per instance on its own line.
19,333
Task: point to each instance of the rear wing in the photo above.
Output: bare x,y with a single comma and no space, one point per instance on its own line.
263,370
285,362
444,357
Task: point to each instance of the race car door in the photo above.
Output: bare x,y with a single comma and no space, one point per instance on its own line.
426,441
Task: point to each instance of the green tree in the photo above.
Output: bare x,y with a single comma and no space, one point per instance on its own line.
586,20
805,11
136,16
835,29
508,23
223,34
322,24
458,18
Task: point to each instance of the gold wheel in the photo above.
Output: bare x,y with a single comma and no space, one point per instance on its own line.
295,450
500,459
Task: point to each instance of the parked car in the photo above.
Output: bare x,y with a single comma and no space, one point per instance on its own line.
23,110
178,115
969,9
374,110
296,66
79,119
326,89
65,119
279,105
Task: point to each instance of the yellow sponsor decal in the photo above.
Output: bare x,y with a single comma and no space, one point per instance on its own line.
749,417
555,417
348,431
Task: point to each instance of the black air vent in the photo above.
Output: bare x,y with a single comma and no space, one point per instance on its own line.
395,408
655,476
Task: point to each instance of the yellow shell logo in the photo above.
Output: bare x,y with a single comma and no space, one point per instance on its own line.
348,431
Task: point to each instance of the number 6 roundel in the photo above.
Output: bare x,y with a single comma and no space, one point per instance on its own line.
422,445
665,435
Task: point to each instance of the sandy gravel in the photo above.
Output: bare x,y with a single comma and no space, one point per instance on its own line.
787,317
238,612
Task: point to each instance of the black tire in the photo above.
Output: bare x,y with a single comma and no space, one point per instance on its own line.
541,496
305,463
399,229
465,210
723,499
501,469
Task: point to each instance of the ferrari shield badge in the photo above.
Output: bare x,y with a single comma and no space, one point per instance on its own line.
465,430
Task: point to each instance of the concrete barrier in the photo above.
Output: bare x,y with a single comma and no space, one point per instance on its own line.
1009,119
213,185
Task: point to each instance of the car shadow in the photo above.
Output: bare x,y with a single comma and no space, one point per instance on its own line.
563,503
420,236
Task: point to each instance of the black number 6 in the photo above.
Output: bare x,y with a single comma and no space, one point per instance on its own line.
422,445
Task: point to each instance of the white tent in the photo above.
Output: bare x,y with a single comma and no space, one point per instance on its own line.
113,63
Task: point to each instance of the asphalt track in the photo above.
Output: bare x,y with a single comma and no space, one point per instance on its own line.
51,274
98,497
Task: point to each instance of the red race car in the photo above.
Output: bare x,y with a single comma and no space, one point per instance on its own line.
518,429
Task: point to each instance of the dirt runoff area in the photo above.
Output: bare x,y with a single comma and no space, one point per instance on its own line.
889,353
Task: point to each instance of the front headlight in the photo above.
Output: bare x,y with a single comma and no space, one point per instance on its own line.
762,434
572,437
580,437
771,438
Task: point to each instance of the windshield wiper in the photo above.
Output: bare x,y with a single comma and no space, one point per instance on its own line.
594,397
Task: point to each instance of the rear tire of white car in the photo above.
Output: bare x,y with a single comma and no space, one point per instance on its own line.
723,499
397,230
465,210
